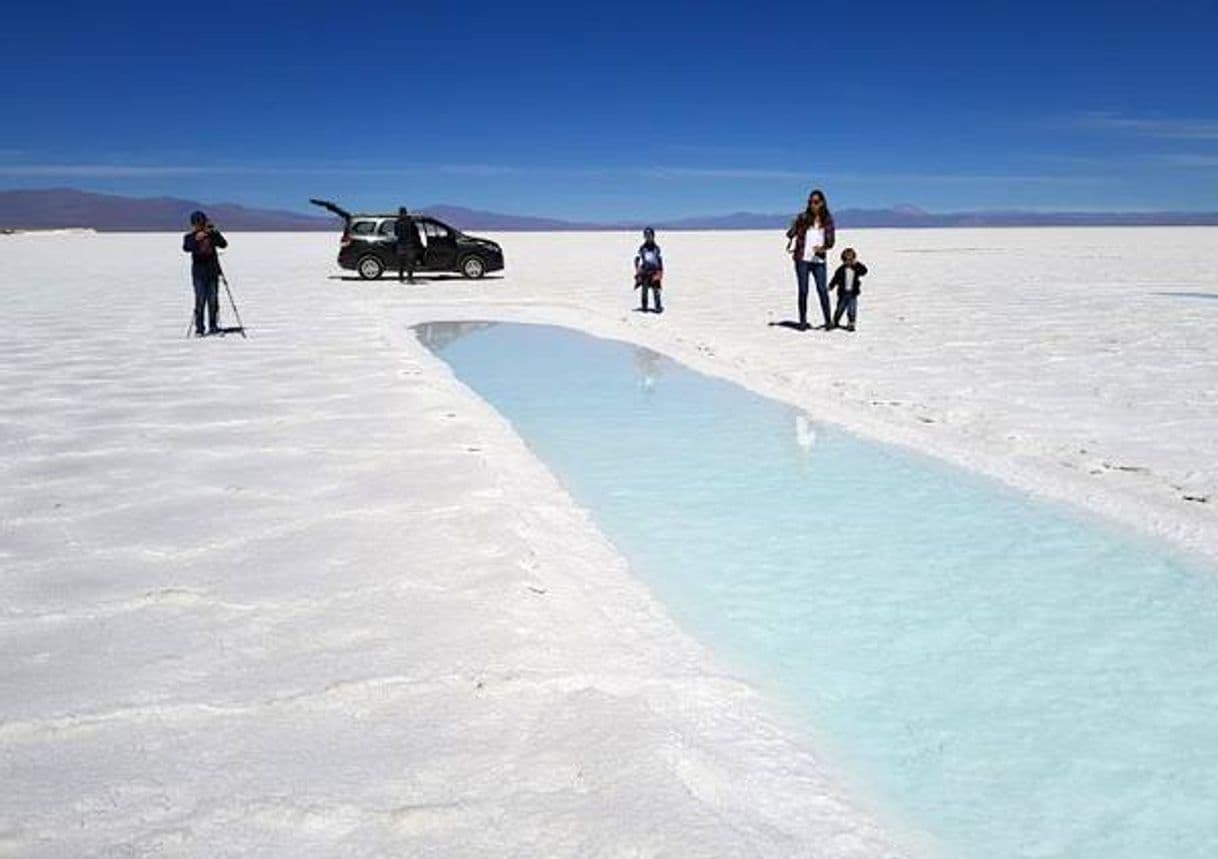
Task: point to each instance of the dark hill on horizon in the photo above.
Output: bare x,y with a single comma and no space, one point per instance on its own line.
61,208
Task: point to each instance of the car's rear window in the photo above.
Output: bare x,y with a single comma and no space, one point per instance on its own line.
363,228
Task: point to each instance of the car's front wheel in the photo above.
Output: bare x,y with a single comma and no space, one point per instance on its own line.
473,267
370,267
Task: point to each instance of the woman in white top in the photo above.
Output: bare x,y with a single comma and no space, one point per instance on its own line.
811,234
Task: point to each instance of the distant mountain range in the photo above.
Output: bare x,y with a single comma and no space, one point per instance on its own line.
60,208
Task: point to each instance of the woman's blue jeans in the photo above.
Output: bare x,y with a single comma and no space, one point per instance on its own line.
817,268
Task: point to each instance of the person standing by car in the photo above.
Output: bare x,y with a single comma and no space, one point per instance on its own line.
201,243
408,244
811,234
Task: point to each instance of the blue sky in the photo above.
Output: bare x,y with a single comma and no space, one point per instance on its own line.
617,110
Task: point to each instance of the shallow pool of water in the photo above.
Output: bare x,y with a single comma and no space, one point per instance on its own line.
1000,674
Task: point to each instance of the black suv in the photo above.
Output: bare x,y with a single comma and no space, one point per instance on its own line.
369,245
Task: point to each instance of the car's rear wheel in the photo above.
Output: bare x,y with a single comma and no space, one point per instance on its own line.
370,267
473,267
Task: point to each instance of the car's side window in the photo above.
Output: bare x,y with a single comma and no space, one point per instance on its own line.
387,228
434,230
363,228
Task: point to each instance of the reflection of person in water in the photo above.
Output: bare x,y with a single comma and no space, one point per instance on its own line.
805,433
647,367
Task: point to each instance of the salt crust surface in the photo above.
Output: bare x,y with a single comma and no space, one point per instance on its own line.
305,594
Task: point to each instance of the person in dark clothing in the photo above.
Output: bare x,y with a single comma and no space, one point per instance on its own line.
848,281
649,269
811,234
408,243
201,243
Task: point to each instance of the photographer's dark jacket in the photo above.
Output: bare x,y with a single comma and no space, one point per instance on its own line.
203,259
839,278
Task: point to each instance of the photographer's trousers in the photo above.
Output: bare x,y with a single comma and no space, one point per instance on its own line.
207,295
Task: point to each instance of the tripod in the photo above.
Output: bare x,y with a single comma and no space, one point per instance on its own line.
224,280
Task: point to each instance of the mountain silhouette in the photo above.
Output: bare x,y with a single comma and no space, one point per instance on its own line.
61,208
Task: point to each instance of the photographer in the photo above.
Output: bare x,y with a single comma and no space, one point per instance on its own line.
201,243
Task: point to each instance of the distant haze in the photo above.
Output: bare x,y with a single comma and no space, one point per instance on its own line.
60,208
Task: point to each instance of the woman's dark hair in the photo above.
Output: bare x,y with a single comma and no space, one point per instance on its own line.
826,217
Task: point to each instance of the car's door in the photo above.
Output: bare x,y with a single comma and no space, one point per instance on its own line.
441,253
387,241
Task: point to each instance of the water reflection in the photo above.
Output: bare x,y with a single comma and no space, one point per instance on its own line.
436,335
805,433
648,367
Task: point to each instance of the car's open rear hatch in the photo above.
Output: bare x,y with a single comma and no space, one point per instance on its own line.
333,207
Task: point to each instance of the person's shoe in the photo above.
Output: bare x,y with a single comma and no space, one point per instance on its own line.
659,310
199,332
850,327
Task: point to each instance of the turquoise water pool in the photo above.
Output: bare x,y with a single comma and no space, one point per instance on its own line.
1006,677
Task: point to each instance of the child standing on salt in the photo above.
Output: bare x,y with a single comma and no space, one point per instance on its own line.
848,280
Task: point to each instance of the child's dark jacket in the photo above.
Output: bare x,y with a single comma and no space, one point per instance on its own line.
839,278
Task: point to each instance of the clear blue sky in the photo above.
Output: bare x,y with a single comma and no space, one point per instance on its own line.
615,110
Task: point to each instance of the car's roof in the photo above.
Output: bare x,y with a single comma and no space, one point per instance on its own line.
393,216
